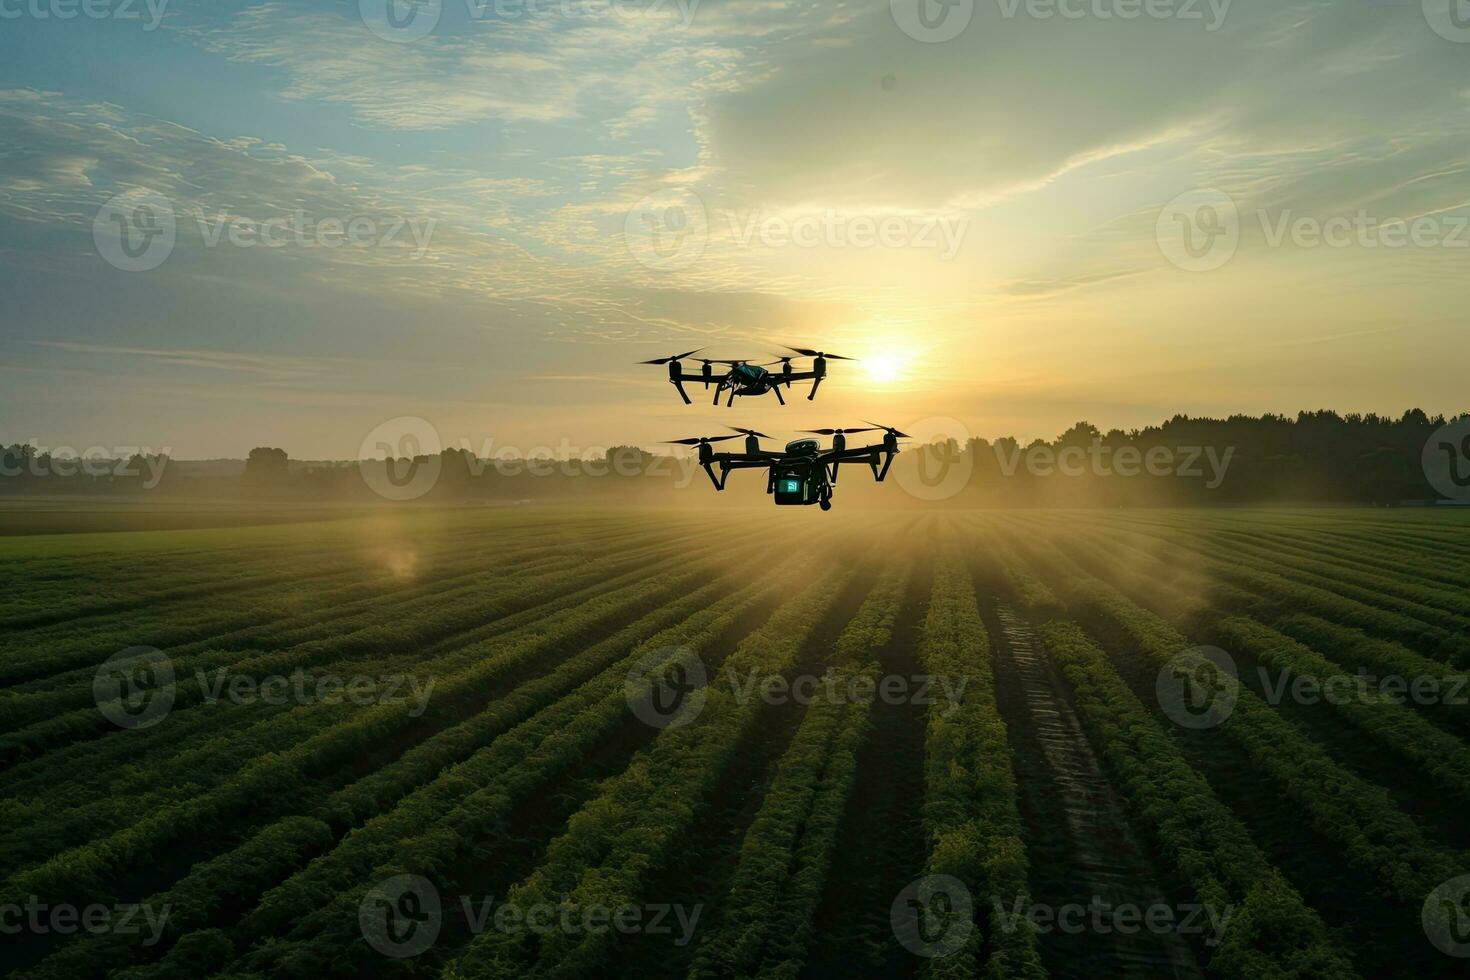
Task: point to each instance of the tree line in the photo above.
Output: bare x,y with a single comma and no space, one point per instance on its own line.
1314,457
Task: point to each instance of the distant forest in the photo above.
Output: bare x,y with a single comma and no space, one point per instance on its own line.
1316,457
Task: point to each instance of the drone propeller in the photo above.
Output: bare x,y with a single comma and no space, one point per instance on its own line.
676,357
748,432
698,440
890,429
807,352
833,432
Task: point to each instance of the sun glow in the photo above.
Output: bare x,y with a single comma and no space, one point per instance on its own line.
884,368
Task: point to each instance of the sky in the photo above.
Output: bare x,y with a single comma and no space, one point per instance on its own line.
234,224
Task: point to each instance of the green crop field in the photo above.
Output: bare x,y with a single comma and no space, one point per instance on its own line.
534,742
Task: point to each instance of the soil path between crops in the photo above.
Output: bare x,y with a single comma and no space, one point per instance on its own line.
1078,838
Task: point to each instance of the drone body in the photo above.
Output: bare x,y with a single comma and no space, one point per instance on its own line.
803,473
745,379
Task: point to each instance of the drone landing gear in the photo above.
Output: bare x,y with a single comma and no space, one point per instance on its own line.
682,393
816,383
718,481
880,471
825,503
777,390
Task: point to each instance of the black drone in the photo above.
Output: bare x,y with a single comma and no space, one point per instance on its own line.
741,377
804,473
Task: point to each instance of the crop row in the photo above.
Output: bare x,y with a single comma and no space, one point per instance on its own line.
38,659
1396,563
415,624
452,762
970,817
1396,728
111,583
1442,607
560,593
519,650
786,852
451,825
304,607
1359,817
1272,932
197,770
279,777
1287,594
637,818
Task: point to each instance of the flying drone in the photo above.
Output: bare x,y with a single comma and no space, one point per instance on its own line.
803,473
741,377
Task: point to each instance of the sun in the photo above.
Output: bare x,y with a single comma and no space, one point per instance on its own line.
884,368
